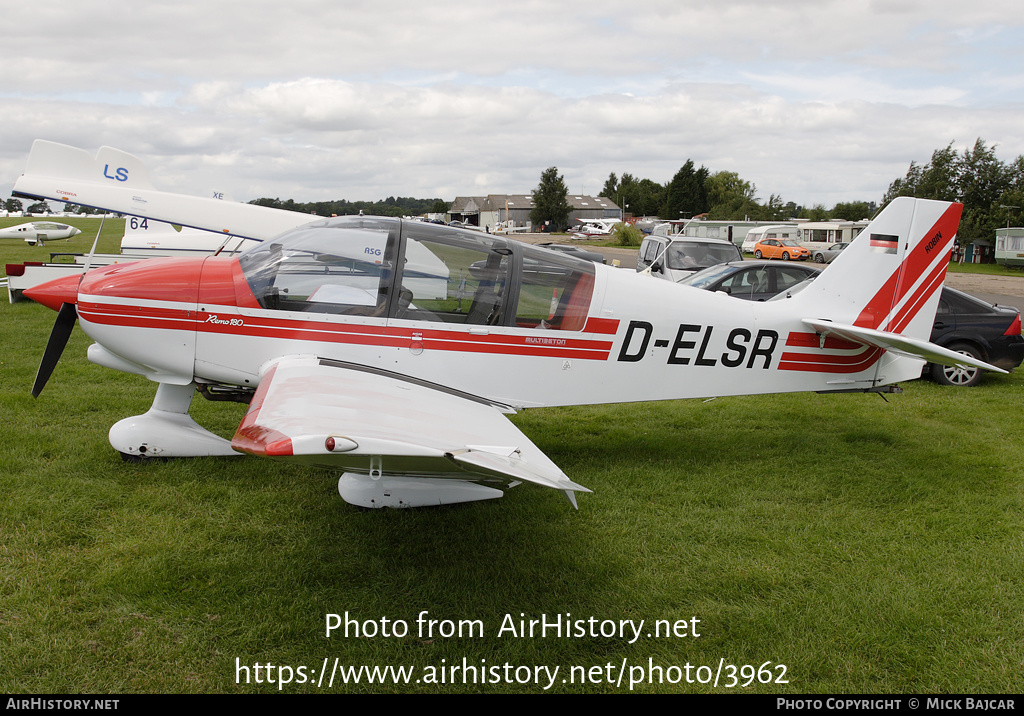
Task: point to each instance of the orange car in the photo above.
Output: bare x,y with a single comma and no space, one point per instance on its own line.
784,249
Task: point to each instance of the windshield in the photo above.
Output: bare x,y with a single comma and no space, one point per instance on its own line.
690,255
388,269
331,266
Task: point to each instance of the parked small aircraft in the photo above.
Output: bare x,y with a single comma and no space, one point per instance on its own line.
595,227
390,349
36,233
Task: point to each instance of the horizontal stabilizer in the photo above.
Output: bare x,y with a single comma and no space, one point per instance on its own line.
898,344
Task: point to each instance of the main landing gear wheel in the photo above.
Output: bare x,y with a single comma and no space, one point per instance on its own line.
960,376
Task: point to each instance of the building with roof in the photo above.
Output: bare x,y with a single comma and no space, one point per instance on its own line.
513,210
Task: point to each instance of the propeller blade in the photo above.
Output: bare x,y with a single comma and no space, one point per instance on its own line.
59,336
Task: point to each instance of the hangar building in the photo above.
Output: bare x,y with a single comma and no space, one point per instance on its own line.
494,210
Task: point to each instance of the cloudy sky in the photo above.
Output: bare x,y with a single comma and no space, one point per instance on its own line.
818,101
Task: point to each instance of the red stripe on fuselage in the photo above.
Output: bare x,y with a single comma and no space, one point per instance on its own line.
824,359
136,316
550,345
401,337
830,364
816,362
605,326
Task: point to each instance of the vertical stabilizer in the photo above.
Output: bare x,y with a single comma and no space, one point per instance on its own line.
890,278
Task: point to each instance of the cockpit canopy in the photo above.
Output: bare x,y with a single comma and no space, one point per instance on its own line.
406,270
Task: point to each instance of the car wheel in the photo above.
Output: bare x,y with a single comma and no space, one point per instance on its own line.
757,254
820,258
785,256
959,376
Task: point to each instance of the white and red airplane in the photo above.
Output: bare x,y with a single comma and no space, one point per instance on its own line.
391,349
37,233
594,227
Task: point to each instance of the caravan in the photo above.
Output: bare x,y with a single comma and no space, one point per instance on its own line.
772,231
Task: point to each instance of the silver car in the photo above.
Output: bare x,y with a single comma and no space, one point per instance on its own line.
826,256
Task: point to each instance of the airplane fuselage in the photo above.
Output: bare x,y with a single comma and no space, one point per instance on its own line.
642,339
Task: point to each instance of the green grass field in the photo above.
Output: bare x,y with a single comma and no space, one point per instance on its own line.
867,546
987,269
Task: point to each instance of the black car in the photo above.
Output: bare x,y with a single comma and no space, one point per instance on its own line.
983,330
750,280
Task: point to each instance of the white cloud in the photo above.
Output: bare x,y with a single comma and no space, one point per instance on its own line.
814,100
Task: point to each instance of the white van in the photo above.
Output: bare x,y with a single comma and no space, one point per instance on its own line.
676,257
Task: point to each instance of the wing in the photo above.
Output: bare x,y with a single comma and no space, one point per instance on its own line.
369,422
117,181
898,344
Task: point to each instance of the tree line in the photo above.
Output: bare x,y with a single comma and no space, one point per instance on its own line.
991,190
691,192
13,205
721,195
392,206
